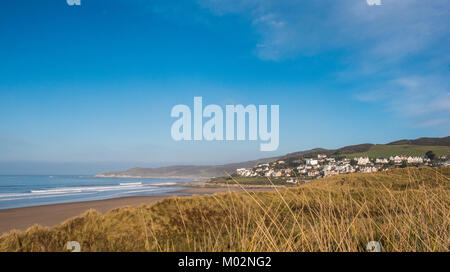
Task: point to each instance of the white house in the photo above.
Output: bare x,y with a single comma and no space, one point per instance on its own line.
362,160
414,160
291,180
382,160
369,169
311,162
313,173
240,171
397,159
331,160
245,172
269,173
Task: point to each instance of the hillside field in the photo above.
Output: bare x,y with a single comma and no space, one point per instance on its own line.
386,151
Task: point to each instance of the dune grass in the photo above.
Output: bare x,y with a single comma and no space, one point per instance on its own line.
403,209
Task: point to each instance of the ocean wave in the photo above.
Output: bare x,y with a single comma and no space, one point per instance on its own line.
163,183
130,183
32,196
87,189
55,191
131,186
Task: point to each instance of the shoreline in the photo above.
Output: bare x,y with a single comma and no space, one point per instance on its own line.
53,214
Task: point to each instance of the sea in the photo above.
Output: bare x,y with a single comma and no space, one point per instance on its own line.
36,190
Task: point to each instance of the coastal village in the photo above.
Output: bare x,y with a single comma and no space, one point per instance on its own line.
306,169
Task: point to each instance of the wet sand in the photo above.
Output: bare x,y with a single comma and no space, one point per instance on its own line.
51,215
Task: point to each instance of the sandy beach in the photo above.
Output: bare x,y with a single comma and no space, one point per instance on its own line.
51,215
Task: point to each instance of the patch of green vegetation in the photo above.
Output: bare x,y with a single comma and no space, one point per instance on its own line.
386,151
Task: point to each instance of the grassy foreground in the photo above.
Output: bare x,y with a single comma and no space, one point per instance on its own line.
404,209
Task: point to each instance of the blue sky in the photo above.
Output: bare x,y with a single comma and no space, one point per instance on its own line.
94,84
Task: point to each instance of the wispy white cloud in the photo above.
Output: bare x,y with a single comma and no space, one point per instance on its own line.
373,2
388,44
424,100
290,29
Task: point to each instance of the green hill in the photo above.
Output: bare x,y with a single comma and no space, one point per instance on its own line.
445,141
386,151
